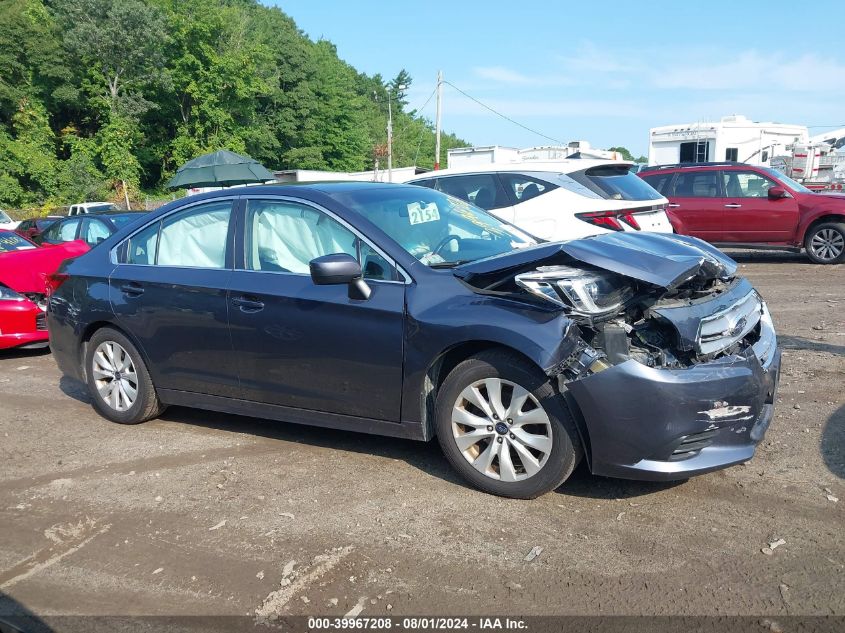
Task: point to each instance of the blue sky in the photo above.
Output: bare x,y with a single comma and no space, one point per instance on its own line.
601,71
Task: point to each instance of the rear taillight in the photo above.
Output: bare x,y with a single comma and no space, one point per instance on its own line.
610,219
53,281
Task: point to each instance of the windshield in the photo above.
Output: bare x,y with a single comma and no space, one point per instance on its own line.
439,230
13,242
100,208
792,184
4,217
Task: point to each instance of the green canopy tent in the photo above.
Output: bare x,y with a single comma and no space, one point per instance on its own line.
219,169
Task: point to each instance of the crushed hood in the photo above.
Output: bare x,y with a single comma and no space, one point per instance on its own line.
656,258
25,271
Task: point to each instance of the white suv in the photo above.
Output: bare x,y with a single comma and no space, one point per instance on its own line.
557,201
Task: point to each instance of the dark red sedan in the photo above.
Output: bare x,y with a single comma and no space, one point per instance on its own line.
24,276
739,205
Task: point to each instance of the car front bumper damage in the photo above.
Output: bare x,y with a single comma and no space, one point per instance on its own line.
664,424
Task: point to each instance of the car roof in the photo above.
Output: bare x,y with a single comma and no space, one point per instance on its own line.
564,166
711,165
301,189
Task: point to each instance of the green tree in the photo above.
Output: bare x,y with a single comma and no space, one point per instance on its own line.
626,155
120,41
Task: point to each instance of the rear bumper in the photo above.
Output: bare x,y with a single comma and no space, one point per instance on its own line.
666,424
22,324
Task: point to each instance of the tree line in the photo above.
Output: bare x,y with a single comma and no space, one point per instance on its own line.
98,95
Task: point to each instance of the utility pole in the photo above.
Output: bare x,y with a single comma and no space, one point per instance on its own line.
389,139
399,89
437,120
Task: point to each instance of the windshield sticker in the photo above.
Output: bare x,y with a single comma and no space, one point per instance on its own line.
418,214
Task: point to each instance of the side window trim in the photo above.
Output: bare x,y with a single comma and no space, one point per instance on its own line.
240,264
118,253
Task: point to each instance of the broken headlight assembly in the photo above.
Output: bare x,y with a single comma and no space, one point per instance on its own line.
589,293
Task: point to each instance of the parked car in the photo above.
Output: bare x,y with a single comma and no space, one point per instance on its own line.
91,229
32,228
561,200
91,207
11,241
7,223
401,311
23,295
739,205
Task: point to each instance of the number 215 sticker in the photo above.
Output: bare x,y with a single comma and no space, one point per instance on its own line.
418,214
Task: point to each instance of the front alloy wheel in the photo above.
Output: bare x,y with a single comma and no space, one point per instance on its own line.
504,442
505,427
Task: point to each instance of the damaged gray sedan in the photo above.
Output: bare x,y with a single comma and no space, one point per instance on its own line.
401,311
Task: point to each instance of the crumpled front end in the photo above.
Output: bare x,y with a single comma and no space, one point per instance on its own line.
664,423
675,364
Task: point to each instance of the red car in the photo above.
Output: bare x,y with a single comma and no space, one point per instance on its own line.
739,205
24,271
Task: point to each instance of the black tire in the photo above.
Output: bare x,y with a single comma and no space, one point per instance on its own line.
566,449
146,404
819,233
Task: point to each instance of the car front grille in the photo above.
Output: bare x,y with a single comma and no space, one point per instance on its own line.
41,321
719,331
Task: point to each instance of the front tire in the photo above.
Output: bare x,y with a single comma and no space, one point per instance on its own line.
118,381
504,427
825,243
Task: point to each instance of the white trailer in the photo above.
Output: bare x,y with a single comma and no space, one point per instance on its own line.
460,157
732,138
818,164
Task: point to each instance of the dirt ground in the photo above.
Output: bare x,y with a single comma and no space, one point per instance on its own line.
202,513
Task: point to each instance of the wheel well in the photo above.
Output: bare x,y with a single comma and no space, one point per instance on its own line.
830,217
443,365
89,332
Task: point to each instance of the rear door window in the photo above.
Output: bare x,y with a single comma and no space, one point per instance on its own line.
482,190
194,238
524,187
697,184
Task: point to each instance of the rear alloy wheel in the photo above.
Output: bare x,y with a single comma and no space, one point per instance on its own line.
825,243
118,381
504,428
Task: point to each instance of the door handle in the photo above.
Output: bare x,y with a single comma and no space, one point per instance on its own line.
673,205
247,304
132,289
733,206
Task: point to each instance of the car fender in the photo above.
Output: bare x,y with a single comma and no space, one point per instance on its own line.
819,207
546,337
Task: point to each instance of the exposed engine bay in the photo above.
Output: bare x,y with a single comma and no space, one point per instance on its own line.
693,309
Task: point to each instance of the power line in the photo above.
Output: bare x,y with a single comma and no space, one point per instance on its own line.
497,113
830,126
417,111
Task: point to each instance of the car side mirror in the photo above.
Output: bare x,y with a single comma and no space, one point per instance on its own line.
340,268
776,193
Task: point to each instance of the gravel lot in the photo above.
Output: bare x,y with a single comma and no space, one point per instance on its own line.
202,513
